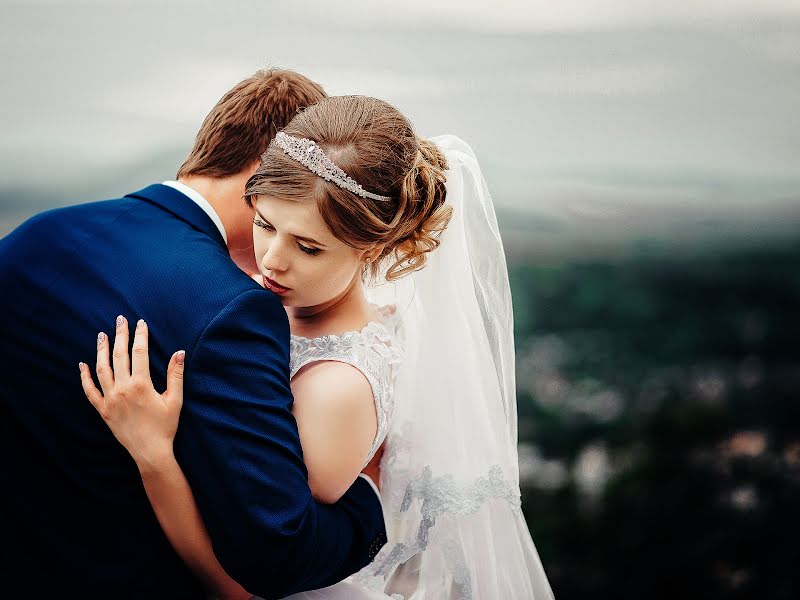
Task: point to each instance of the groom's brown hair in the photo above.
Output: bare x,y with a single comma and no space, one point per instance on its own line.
239,128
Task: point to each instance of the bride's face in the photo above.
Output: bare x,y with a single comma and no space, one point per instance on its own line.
295,250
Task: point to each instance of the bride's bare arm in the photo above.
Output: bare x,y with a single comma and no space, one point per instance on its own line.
335,415
179,517
145,422
336,419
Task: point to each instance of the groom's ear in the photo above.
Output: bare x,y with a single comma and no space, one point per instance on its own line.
245,174
252,168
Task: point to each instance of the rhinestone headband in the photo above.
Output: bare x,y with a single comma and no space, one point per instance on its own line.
308,153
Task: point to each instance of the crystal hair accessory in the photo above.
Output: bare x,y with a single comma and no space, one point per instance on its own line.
308,153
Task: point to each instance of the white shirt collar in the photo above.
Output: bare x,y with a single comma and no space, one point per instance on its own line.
201,202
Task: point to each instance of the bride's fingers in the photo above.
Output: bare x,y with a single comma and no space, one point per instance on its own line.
141,359
104,373
121,360
174,393
91,391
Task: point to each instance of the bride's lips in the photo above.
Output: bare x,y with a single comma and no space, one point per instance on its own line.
274,286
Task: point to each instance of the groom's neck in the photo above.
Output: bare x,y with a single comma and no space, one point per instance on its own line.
217,191
225,195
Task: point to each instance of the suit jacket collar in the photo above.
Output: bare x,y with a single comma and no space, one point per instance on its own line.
180,206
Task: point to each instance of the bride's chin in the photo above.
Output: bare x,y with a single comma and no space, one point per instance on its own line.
289,302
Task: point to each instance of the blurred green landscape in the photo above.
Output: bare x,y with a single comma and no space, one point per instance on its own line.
660,421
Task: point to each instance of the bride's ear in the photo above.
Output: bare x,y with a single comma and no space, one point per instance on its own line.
371,254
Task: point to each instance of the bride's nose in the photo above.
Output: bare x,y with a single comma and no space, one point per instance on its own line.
275,258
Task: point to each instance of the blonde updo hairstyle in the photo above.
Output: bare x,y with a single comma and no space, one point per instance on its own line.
375,144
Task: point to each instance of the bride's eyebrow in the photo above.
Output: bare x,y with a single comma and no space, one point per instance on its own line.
297,237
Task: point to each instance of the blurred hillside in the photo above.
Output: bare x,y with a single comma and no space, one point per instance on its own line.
659,402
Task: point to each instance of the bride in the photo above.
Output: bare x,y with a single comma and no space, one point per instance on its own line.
384,250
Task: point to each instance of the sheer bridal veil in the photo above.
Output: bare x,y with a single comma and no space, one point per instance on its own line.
450,479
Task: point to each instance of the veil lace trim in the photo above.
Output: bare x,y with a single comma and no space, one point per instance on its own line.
435,497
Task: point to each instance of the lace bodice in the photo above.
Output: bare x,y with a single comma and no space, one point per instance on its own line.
376,350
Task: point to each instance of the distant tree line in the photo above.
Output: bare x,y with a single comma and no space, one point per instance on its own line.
673,384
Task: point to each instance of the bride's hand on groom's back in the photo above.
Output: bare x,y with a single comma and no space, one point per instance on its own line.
143,420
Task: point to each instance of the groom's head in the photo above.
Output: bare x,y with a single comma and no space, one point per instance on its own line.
230,143
240,127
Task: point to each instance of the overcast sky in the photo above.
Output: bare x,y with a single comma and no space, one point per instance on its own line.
603,112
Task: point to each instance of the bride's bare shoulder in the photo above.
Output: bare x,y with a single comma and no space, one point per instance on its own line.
344,379
337,421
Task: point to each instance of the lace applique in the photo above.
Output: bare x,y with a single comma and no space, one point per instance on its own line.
376,350
438,497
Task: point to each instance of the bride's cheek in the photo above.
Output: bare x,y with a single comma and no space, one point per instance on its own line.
259,248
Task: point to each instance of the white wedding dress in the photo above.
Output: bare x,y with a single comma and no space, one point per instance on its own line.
441,365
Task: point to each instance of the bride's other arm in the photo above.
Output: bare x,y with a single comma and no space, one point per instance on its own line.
336,419
337,422
145,422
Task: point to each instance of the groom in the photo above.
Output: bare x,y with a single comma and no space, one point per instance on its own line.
75,520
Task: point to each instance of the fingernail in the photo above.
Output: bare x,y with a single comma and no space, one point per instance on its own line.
181,355
120,321
140,323
101,337
80,366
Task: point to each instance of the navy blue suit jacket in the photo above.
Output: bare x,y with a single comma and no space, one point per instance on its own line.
74,515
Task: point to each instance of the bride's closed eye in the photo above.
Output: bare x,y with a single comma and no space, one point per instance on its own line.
259,223
264,225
